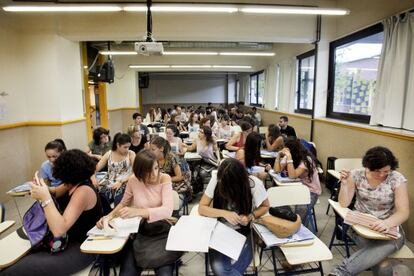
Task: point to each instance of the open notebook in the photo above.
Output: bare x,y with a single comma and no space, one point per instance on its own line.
21,188
117,227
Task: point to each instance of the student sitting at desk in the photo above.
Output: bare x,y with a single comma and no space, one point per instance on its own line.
239,139
53,150
138,140
137,117
299,163
173,137
192,124
120,161
249,156
148,195
380,191
237,199
206,145
169,163
81,209
205,122
225,130
273,138
173,121
100,144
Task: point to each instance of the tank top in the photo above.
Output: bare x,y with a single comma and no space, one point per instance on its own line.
205,151
87,220
118,170
240,143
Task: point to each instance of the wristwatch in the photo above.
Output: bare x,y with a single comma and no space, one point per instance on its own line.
46,202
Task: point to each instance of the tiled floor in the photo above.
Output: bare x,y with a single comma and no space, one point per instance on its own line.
193,263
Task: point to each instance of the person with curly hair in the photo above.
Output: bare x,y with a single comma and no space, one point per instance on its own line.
100,144
381,192
81,209
53,149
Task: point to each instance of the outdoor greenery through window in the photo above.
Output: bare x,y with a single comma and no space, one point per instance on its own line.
353,74
304,86
257,88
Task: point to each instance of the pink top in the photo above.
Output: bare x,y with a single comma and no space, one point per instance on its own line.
313,184
156,198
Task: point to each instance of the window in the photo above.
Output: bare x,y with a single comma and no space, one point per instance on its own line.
237,92
353,66
304,85
257,87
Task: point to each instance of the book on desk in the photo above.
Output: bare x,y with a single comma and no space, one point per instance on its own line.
282,179
270,239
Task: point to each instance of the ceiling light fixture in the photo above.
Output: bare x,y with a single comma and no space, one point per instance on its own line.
246,54
189,53
118,53
64,8
189,66
233,66
182,8
293,10
148,66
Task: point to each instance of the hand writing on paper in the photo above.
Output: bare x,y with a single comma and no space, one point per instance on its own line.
128,212
380,226
232,217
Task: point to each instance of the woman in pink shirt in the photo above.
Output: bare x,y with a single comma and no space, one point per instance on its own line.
297,162
148,194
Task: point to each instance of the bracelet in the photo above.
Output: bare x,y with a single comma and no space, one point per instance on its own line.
46,202
289,162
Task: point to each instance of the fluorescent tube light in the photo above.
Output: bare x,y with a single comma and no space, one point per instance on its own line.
64,8
233,66
294,10
246,54
148,66
118,53
189,53
190,66
182,8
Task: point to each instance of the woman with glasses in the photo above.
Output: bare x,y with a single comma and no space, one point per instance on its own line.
380,191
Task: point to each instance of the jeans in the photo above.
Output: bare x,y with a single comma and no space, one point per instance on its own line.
302,210
369,255
223,265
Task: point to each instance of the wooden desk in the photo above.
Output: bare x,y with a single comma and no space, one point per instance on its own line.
12,249
110,246
6,225
315,252
359,229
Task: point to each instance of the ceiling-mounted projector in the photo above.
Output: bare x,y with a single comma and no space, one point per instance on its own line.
149,48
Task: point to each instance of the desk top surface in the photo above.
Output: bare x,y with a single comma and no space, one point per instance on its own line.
103,246
12,249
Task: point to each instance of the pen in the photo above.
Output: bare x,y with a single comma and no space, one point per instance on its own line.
99,238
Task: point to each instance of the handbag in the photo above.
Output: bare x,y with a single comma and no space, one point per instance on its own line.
149,245
282,228
36,230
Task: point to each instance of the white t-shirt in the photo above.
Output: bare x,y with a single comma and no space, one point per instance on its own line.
258,190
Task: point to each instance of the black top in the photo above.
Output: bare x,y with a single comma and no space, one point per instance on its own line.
289,131
87,220
140,146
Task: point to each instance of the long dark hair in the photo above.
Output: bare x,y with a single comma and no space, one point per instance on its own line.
208,134
252,149
174,129
190,121
234,186
97,134
121,139
300,154
274,132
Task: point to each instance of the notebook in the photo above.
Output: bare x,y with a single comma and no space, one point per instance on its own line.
271,239
282,179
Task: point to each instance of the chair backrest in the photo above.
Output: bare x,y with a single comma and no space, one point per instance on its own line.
348,163
2,212
176,201
288,195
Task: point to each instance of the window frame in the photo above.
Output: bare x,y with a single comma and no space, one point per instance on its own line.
298,84
372,30
256,74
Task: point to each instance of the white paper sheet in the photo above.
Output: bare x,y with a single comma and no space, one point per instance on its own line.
122,227
271,239
227,241
191,233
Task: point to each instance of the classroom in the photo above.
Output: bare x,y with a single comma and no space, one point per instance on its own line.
312,92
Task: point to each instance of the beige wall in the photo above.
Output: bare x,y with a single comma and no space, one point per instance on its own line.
22,150
120,119
301,123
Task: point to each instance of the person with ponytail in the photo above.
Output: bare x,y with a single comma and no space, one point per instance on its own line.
53,150
120,160
236,199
